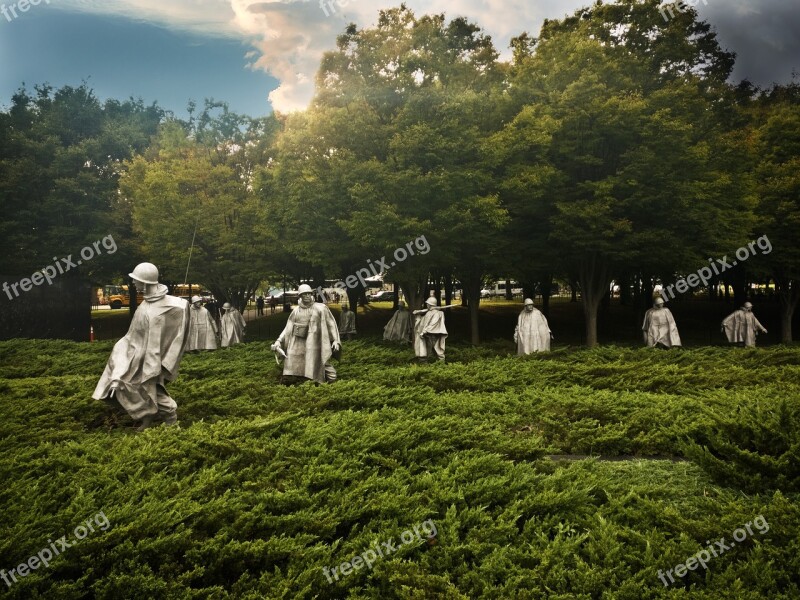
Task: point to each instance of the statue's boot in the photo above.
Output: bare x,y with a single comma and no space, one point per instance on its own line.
171,419
147,422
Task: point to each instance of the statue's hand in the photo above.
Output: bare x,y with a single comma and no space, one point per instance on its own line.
336,346
275,346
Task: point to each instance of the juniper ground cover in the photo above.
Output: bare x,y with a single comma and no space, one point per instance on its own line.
263,486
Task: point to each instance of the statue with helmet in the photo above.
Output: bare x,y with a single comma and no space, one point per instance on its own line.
741,326
429,331
659,327
309,341
149,355
231,326
202,328
532,333
347,323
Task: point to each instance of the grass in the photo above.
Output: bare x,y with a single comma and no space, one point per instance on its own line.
262,486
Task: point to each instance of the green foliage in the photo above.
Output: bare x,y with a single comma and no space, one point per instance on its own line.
262,485
60,161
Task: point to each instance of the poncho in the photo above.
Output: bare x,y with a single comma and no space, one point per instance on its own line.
659,328
347,322
202,330
398,329
742,326
231,326
149,354
307,338
532,333
430,323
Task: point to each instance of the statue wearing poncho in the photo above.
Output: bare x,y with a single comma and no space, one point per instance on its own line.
429,331
398,329
347,323
532,333
659,326
231,326
310,338
202,328
742,327
149,355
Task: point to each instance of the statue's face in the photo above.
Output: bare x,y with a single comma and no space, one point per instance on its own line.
307,297
658,305
529,307
140,285
197,304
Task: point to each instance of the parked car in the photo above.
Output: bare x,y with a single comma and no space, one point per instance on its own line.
487,293
288,297
382,296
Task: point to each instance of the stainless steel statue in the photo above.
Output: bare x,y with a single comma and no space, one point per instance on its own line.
202,328
532,333
659,326
429,331
149,355
231,325
398,329
347,323
309,340
742,327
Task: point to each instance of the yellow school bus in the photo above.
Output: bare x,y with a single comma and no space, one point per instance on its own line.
117,296
186,291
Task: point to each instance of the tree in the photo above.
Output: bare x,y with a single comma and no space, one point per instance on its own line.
61,155
394,148
191,196
777,146
619,121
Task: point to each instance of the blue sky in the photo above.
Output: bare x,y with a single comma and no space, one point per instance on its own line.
120,57
260,54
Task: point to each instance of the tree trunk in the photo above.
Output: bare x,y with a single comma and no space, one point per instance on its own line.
625,290
412,290
788,296
353,295
448,289
739,280
594,281
547,288
573,286
472,289
508,294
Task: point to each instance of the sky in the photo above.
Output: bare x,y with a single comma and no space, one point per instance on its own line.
263,55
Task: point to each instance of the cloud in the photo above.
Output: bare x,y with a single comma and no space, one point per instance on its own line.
207,17
289,37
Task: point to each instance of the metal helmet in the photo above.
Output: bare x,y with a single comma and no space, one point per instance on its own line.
528,301
145,272
747,305
431,301
659,301
226,306
305,289
196,299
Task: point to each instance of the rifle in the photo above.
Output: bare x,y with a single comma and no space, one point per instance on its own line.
419,312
